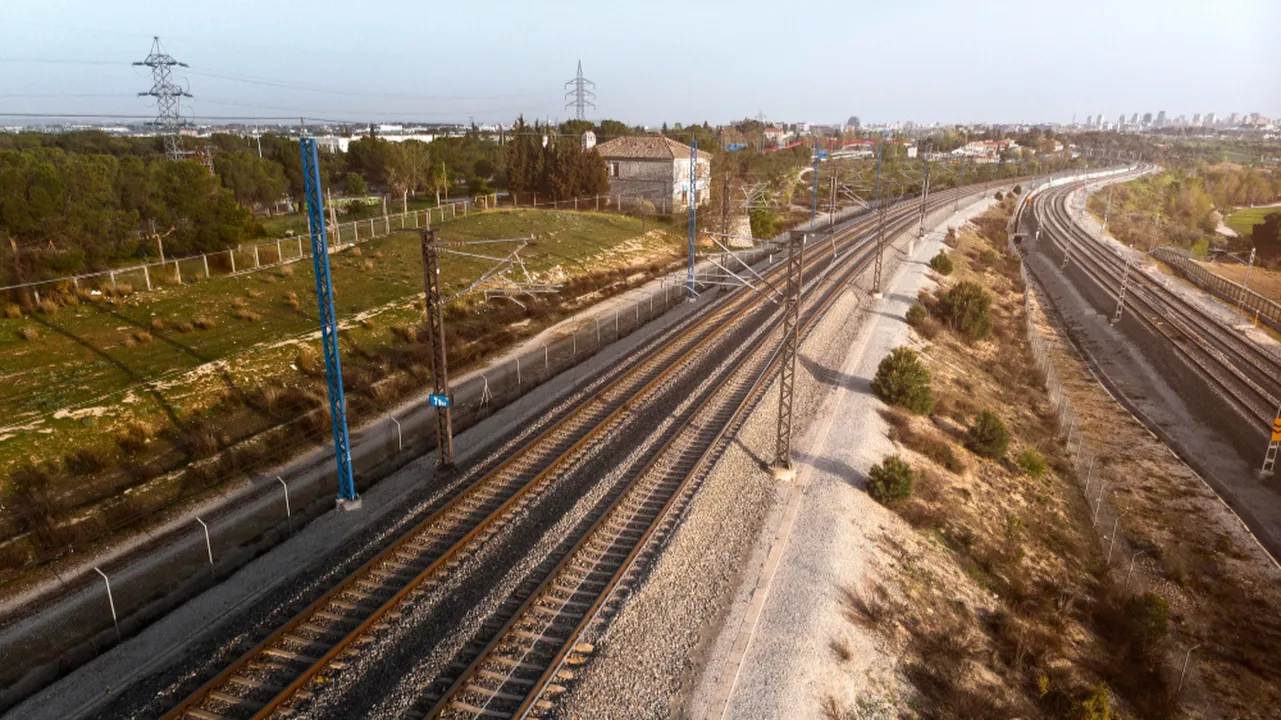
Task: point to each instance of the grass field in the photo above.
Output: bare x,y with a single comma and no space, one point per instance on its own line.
208,364
1243,220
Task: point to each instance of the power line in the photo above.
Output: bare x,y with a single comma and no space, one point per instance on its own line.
167,95
580,98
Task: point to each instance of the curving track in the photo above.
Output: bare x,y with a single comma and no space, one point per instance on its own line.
266,679
1246,373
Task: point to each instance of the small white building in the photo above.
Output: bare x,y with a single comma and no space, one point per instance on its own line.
655,168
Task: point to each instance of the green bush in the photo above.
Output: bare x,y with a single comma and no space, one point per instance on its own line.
999,196
891,481
1018,190
916,314
987,436
1033,463
941,263
1095,705
901,379
967,308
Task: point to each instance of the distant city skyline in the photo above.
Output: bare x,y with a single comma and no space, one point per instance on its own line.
927,62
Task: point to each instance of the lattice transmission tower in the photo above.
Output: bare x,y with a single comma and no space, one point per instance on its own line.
167,94
580,97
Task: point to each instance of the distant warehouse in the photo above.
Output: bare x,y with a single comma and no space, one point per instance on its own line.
656,169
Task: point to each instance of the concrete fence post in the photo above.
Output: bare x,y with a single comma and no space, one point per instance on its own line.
205,259
547,361
289,516
517,372
400,436
113,279
232,254
208,546
111,602
147,274
300,247
177,272
256,263
280,257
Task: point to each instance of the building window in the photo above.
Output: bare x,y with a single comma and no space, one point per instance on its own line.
613,169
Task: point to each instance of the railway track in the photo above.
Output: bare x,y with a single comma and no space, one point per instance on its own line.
1242,370
538,641
266,677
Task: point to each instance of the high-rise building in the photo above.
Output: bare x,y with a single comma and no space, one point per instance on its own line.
1134,119
1089,121
1147,118
1233,120
1160,118
1209,119
1196,119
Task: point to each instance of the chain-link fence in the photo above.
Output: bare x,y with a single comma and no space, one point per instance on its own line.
1248,300
244,259
92,607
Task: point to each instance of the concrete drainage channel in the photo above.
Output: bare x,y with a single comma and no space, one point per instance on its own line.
171,569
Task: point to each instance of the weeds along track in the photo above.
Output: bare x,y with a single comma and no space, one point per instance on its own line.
1244,372
524,654
267,676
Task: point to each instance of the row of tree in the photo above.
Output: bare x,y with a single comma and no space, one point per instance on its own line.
63,212
553,164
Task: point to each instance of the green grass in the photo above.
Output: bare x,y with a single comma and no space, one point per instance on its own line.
84,357
1244,220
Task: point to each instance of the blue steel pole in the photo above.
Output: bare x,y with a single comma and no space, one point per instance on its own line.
880,155
347,496
814,192
693,216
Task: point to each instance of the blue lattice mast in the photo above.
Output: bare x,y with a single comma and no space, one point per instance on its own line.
880,212
693,217
814,192
347,497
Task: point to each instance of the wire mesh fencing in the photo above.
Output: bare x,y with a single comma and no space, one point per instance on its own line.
89,608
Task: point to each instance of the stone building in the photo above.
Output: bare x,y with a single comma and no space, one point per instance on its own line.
656,169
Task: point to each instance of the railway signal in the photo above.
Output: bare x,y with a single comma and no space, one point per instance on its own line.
1270,458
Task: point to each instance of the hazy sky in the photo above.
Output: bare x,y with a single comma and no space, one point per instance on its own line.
678,61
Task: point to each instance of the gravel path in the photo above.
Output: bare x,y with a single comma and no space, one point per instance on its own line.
733,546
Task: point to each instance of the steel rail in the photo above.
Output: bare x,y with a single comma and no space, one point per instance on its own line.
707,436
1177,325
287,635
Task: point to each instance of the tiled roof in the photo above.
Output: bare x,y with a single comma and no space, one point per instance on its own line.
646,147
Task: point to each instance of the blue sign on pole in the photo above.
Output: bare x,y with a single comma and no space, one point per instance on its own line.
731,147
441,401
822,154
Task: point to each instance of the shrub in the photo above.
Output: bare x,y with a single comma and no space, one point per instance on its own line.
967,308
941,263
29,333
1033,463
901,379
988,258
307,359
988,437
287,271
133,439
185,327
12,311
890,481
246,314
140,337
916,315
238,303
1018,190
204,323
999,197
157,324
1095,705
85,461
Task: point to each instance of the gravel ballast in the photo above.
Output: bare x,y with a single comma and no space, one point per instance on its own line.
749,543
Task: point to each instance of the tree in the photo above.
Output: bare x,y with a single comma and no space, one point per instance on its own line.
967,308
890,481
987,437
354,184
902,379
1266,237
409,166
371,157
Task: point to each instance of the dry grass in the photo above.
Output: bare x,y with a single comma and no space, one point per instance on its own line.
307,359
204,323
244,313
238,303
140,337
286,271
49,306
12,311
368,265
291,299
157,325
29,333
